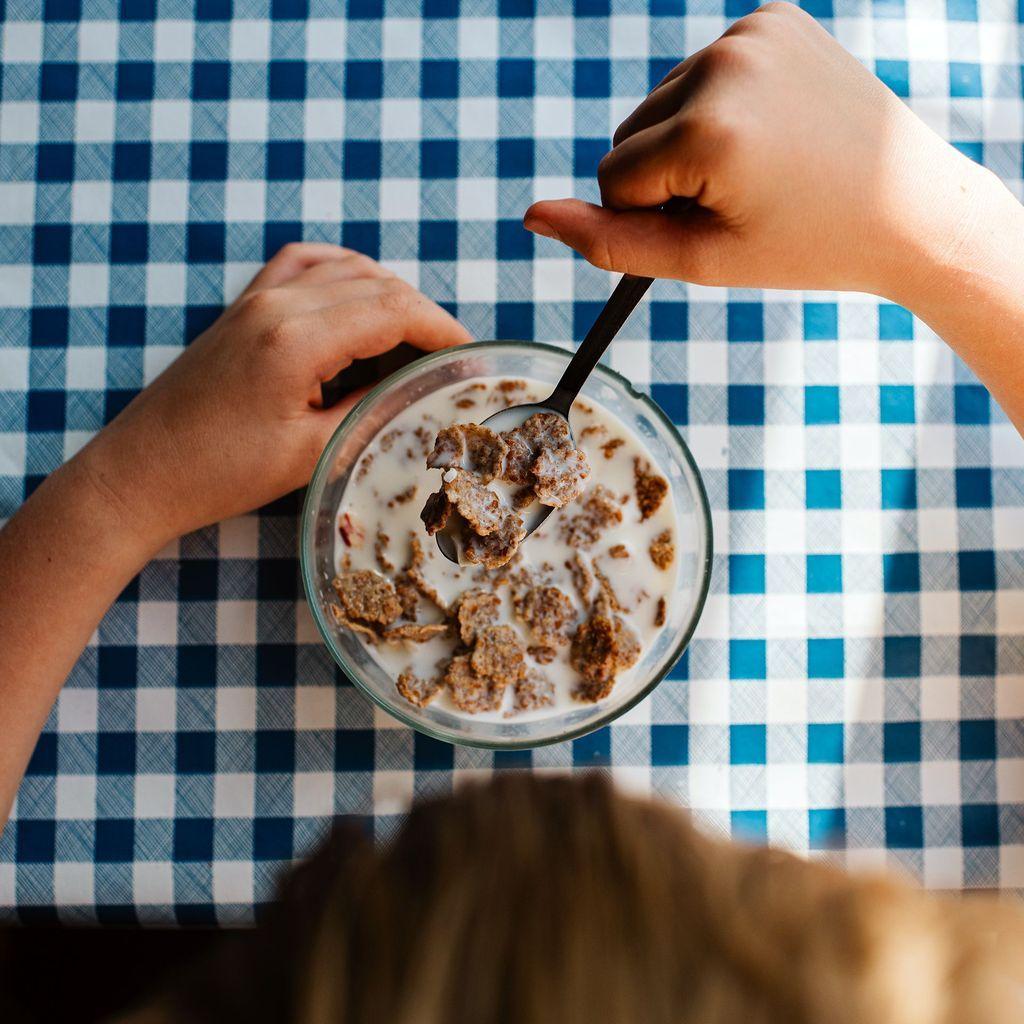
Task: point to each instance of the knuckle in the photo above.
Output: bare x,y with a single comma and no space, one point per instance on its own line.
718,134
262,303
394,285
779,17
291,251
365,266
781,8
280,337
764,18
394,297
726,55
669,76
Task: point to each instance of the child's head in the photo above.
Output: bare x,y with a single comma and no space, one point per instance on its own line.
533,899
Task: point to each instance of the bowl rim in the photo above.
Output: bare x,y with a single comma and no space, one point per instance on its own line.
306,553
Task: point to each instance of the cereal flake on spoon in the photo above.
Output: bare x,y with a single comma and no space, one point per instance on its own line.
538,455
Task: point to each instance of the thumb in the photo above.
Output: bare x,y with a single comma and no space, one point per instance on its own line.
685,246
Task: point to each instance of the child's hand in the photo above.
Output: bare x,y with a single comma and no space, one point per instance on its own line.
232,424
808,171
235,421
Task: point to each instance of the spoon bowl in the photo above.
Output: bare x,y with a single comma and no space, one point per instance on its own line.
449,542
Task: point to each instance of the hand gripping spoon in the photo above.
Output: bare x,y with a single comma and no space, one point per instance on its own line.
628,292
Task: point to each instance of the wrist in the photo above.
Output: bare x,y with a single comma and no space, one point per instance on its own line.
970,289
117,501
979,260
949,238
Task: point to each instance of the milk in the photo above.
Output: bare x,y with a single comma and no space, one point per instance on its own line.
392,468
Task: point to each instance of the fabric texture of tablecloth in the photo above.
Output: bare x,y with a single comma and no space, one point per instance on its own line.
858,677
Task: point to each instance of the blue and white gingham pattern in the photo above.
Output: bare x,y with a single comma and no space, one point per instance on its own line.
857,676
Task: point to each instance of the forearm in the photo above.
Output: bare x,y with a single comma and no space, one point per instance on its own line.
64,558
971,292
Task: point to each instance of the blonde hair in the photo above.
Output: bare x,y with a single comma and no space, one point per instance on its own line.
534,900
531,900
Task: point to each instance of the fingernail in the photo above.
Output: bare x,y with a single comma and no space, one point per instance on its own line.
540,227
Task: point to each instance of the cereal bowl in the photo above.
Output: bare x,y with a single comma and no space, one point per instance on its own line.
606,390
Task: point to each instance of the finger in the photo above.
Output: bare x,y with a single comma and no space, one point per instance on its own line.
369,326
350,267
657,163
324,422
333,293
286,302
665,99
292,259
690,247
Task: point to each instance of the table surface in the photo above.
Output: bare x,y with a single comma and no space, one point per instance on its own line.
856,680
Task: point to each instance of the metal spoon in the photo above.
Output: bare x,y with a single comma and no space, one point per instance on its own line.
628,292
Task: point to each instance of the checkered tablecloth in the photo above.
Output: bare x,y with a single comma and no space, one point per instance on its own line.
858,676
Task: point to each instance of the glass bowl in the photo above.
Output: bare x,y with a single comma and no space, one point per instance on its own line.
506,359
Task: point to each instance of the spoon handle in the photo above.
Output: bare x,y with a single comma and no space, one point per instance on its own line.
628,292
